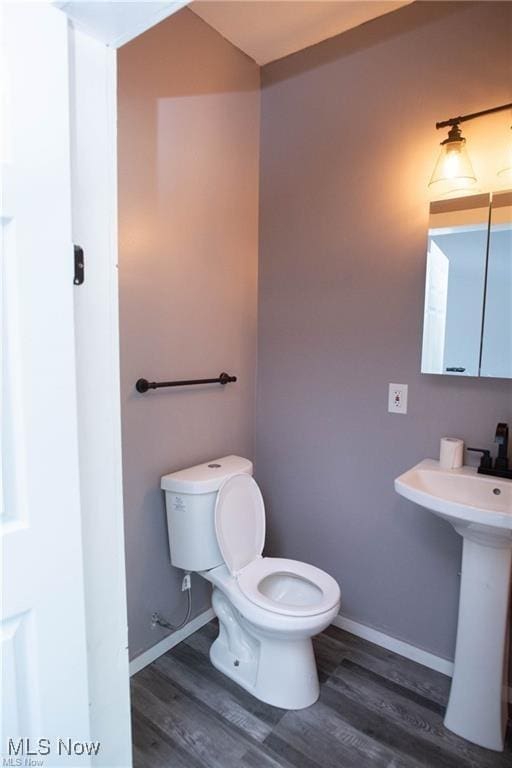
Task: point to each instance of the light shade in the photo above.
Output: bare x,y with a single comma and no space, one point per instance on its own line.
453,171
507,166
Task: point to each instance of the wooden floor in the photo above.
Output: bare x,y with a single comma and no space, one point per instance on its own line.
375,709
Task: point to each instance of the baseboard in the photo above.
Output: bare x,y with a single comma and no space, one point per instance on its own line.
141,661
400,647
390,643
408,651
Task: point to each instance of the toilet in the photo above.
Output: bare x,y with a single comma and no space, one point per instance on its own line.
268,608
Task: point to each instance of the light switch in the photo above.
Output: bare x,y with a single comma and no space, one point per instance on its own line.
397,398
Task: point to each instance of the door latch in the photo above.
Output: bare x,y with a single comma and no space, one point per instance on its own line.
79,265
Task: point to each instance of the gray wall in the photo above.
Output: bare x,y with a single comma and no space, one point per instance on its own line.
348,144
188,218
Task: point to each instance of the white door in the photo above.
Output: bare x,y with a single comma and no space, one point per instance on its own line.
44,667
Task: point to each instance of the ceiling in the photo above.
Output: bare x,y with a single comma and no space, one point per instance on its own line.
116,22
266,30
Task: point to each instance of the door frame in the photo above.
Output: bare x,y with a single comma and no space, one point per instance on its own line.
94,228
96,30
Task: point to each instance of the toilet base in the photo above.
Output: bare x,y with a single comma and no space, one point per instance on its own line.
278,670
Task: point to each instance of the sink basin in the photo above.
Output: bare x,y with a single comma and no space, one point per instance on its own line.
480,510
480,504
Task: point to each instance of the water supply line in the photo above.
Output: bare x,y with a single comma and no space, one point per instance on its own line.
157,620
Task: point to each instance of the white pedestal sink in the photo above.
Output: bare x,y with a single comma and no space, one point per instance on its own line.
480,509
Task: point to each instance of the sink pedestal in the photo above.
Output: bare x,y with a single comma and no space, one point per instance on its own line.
480,510
477,707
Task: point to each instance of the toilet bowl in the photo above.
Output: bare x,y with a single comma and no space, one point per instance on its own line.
268,608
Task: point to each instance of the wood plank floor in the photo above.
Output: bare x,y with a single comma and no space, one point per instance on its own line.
375,709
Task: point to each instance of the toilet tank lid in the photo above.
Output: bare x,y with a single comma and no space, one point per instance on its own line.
207,477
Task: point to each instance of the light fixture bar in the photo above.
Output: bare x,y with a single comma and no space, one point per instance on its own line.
464,118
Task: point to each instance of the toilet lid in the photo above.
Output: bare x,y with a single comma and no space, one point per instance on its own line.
240,521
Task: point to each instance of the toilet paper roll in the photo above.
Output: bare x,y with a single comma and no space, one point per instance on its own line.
451,453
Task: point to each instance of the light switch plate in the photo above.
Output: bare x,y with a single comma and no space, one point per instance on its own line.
397,398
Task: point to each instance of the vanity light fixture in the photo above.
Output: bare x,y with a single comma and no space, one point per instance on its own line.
453,171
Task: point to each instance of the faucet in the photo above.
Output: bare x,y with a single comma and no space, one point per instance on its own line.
501,465
502,440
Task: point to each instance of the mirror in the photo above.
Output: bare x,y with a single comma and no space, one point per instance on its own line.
497,329
467,328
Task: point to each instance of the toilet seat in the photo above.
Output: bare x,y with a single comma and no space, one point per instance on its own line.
286,587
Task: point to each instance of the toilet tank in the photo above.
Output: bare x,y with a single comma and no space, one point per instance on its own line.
190,496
